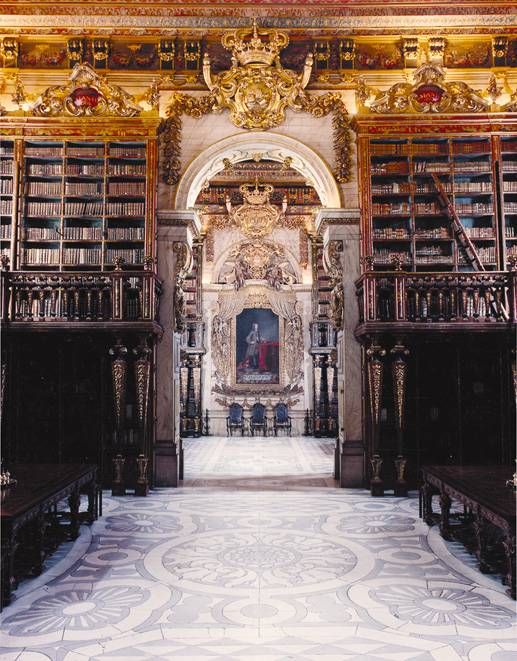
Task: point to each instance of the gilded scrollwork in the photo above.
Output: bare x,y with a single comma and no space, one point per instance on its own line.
85,95
142,374
375,377
221,347
257,91
335,273
181,271
429,92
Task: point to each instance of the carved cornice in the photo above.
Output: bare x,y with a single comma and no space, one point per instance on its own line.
86,95
429,93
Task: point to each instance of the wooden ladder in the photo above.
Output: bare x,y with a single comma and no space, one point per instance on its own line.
461,236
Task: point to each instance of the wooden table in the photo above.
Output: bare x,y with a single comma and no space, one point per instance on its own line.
27,507
482,491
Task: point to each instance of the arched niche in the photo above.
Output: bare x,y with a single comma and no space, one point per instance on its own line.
246,146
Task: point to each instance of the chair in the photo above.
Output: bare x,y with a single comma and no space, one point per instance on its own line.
258,418
281,419
235,419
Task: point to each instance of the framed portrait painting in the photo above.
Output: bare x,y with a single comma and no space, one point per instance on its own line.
257,348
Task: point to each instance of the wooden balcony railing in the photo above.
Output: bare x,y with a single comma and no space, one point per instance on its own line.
437,297
108,296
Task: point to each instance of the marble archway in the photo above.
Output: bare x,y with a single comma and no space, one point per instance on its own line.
270,146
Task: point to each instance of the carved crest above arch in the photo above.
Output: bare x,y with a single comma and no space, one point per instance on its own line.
429,92
86,95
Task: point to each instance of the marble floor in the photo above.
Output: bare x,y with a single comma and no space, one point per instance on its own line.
259,556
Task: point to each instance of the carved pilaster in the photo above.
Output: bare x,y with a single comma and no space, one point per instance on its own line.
375,376
119,378
117,487
335,272
399,375
180,273
142,483
142,374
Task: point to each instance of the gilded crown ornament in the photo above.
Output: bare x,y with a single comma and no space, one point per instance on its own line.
256,217
256,93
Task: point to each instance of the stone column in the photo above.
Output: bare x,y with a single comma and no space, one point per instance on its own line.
174,227
343,225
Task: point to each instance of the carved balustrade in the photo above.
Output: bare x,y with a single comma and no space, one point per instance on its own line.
64,296
436,297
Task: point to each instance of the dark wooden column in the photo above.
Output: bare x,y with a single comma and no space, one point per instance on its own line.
375,367
399,375
119,381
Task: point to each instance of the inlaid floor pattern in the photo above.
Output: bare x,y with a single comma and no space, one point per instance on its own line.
259,556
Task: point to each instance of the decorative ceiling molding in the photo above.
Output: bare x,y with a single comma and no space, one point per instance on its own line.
86,95
429,93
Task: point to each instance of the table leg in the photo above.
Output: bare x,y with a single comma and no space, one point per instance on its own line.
7,564
445,509
91,492
480,530
74,501
509,550
426,499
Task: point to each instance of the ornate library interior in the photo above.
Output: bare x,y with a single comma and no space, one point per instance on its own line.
258,351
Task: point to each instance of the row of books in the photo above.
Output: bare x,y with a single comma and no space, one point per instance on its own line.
45,151
84,169
88,233
431,148
430,166
35,233
390,208
511,251
89,208
391,233
486,255
129,255
6,167
480,232
395,167
434,259
6,186
85,152
510,186
72,256
432,251
393,187
510,207
384,255
125,208
474,207
423,208
83,188
120,169
126,188
44,188
6,207
5,231
126,233
472,187
510,232
472,167
41,256
7,150
433,233
509,145
127,152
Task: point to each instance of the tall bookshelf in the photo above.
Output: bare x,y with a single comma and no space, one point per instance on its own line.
84,203
508,175
8,200
405,217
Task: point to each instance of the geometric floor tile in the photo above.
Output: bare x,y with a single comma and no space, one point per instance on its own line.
259,556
